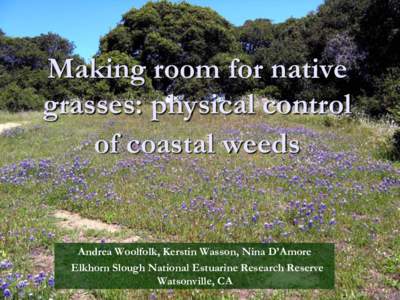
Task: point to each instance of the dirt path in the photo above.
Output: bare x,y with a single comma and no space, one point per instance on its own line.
9,125
43,260
73,221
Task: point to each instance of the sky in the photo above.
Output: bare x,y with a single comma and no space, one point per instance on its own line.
85,21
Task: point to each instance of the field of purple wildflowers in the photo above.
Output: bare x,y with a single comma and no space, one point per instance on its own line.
335,190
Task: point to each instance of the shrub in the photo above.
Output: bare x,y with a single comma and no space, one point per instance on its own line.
389,148
395,145
372,106
14,98
270,91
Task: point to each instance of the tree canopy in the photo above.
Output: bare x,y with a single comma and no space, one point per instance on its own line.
164,33
24,70
362,35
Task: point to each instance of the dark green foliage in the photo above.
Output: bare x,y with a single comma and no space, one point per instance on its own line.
270,91
231,87
287,48
164,33
34,52
256,34
390,90
120,87
333,17
396,145
389,149
24,82
363,35
14,98
386,98
380,34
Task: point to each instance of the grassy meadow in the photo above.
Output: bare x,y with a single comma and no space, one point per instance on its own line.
338,189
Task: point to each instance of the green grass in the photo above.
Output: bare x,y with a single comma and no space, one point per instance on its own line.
146,193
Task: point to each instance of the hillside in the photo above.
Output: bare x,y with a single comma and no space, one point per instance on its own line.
53,188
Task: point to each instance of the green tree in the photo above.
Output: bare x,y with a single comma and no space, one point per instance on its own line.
380,35
256,34
13,98
54,46
287,48
331,18
121,87
164,33
24,64
231,87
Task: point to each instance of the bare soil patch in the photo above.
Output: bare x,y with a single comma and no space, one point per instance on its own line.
73,221
76,222
42,261
6,126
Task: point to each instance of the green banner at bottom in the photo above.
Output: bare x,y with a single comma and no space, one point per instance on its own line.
194,266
